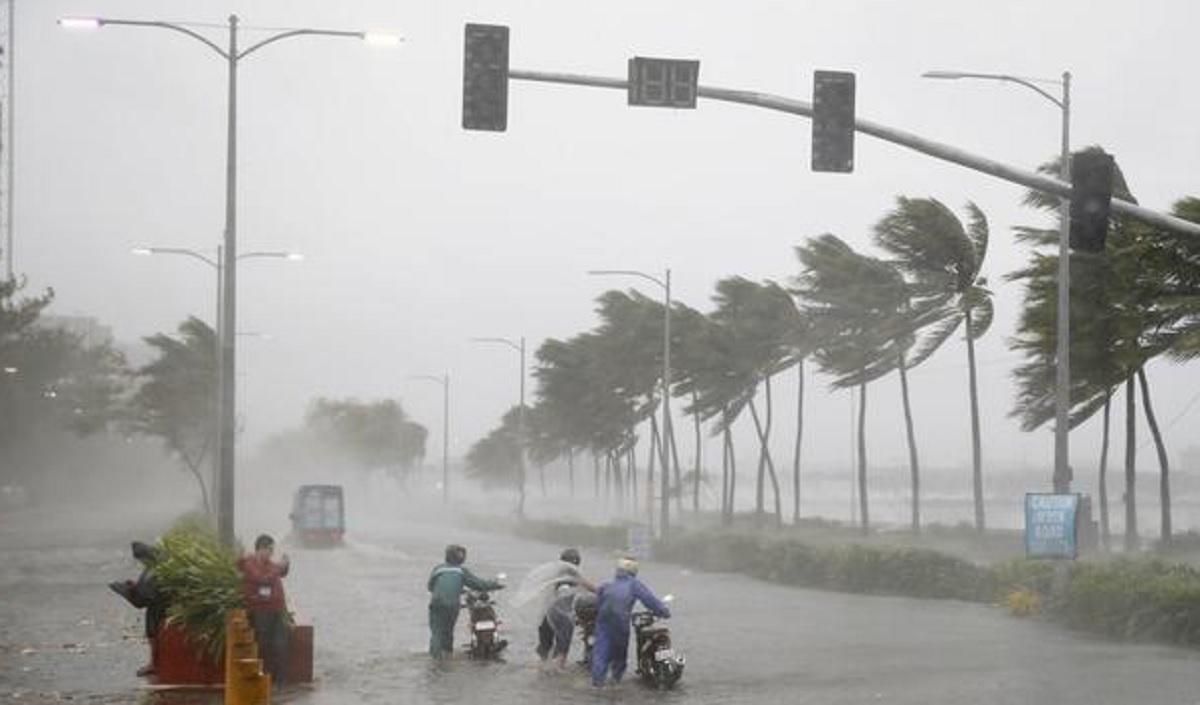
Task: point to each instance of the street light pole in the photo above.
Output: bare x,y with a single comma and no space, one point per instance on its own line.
1062,362
518,346
664,451
444,380
227,391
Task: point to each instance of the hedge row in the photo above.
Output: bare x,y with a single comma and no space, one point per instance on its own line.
1136,599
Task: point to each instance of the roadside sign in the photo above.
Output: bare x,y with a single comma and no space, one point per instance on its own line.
639,541
1050,525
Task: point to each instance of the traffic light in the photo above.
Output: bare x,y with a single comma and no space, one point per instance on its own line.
833,121
485,78
1091,196
663,83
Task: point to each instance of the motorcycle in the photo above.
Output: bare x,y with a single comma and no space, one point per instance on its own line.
658,663
585,619
484,625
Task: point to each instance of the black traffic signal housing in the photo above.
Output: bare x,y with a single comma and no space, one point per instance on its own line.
833,121
485,78
1091,198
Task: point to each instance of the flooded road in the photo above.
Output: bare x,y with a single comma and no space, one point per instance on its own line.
63,635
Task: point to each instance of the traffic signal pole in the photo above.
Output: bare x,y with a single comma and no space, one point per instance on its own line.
932,148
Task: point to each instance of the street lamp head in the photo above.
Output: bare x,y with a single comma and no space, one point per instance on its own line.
294,256
942,74
10,370
382,39
80,22
142,251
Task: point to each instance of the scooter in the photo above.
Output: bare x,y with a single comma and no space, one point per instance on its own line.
585,619
485,643
658,663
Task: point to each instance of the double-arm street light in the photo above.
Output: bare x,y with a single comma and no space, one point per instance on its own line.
1062,362
519,346
444,380
232,56
664,454
218,266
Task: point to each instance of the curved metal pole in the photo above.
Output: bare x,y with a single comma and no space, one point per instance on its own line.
630,272
445,382
997,77
177,251
1030,179
297,33
167,25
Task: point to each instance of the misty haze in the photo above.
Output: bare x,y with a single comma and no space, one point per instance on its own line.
812,352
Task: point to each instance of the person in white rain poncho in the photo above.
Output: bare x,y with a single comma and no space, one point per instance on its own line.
551,588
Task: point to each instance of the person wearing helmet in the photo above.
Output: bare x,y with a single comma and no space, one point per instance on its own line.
558,613
446,584
614,609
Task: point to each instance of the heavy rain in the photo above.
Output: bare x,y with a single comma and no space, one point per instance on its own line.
377,352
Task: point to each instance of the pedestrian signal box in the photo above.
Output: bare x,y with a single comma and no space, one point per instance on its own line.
663,83
833,121
485,78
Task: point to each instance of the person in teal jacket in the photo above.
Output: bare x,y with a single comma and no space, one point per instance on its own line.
446,584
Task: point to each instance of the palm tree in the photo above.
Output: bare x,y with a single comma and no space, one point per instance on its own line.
1124,313
944,261
855,305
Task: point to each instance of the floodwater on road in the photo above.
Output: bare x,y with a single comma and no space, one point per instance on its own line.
64,635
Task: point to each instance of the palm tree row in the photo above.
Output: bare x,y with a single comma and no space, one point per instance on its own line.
858,317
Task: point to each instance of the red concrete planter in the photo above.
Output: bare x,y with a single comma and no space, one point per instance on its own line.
178,662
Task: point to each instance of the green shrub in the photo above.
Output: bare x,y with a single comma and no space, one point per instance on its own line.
200,581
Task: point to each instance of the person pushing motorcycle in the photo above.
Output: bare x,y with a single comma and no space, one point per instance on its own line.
446,584
614,608
558,615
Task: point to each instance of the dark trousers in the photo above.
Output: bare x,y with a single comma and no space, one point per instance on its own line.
554,635
441,629
271,633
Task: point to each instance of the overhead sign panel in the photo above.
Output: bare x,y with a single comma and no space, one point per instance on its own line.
663,83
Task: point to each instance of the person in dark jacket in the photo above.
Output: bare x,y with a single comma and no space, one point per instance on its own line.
144,594
262,591
446,584
614,610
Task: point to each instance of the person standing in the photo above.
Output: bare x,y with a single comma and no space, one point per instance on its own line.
614,610
446,583
262,591
558,615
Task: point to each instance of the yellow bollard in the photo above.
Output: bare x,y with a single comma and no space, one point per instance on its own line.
245,682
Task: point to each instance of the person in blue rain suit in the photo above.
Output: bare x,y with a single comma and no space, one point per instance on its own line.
614,608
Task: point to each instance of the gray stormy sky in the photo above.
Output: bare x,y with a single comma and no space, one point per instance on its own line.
419,236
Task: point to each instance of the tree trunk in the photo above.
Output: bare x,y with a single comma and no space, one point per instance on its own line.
1105,532
542,478
799,437
976,451
200,481
760,481
596,473
675,470
914,465
1164,477
864,513
766,464
651,462
571,470
618,481
699,447
633,477
724,470
1131,528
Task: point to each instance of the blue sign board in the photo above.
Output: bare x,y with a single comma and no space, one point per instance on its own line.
1050,528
